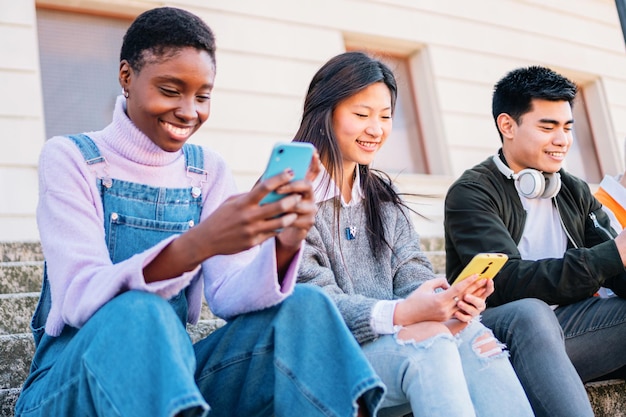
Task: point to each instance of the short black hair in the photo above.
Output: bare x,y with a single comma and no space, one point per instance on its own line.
163,31
514,93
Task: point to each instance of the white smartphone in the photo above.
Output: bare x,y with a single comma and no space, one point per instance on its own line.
486,265
294,155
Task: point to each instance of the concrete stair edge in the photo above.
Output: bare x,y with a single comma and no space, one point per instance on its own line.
16,352
607,398
20,277
16,311
20,251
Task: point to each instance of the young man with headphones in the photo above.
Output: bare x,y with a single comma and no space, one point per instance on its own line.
560,244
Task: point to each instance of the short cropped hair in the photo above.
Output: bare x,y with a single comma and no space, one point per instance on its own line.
514,93
162,32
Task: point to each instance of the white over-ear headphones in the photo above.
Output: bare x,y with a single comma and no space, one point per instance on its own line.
531,183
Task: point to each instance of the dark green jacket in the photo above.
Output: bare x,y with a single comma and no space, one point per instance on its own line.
483,213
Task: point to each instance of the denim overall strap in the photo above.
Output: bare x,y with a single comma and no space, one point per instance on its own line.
93,158
194,159
88,148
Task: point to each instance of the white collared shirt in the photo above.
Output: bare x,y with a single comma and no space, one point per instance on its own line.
326,188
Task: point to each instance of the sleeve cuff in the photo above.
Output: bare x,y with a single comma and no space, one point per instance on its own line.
382,317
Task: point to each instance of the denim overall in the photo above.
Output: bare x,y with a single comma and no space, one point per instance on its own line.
294,357
137,217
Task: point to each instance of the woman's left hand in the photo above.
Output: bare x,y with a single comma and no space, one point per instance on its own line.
473,301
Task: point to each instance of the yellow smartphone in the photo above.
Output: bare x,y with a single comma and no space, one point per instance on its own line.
486,265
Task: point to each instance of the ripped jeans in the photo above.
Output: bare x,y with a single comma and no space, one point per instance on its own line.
445,375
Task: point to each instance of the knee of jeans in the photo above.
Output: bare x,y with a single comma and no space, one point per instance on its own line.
308,294
308,301
535,317
140,307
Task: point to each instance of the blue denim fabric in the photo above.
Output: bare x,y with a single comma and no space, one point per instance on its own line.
446,376
279,369
138,216
133,357
595,336
535,340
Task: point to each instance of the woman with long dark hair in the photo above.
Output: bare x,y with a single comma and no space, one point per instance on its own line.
422,336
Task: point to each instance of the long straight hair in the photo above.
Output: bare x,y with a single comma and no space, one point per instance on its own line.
340,78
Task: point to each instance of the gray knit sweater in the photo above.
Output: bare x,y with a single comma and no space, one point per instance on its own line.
348,271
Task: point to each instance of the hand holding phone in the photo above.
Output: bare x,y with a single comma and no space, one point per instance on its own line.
486,265
293,155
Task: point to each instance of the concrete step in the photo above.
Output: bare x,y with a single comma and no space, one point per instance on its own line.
23,276
16,353
16,311
434,248
203,328
608,398
8,397
20,251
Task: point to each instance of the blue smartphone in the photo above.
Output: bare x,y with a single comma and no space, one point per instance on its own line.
294,155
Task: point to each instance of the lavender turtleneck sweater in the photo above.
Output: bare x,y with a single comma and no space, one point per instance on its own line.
71,225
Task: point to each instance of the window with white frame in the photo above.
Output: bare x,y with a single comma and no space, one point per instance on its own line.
582,158
594,151
403,151
416,145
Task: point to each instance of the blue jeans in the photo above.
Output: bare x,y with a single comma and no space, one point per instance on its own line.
536,343
595,336
297,358
134,358
446,375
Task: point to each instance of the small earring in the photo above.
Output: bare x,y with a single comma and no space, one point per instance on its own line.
125,92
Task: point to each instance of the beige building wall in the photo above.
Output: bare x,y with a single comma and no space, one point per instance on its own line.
21,119
268,51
